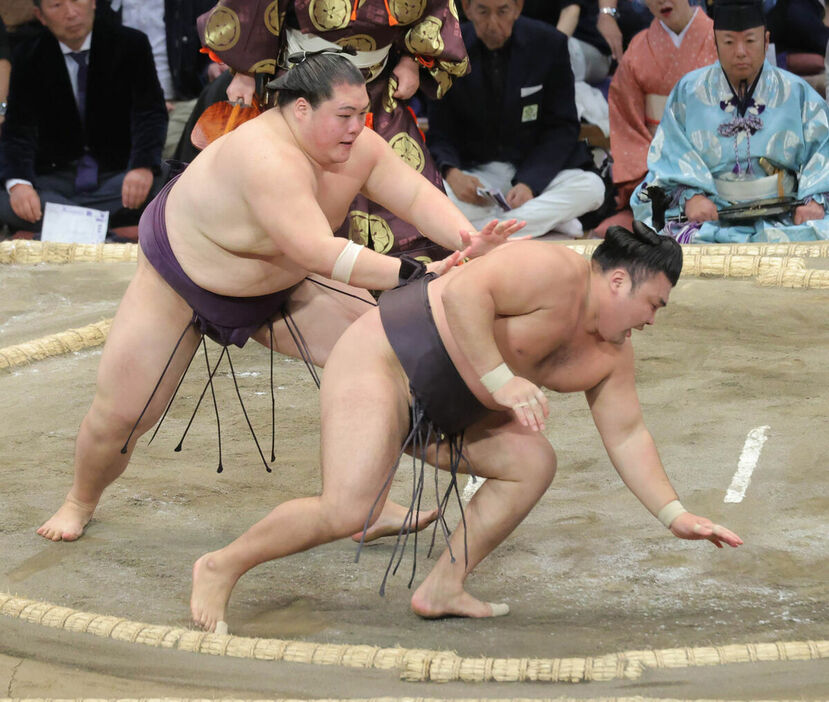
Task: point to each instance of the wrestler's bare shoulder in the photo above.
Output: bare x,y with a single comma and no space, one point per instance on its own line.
553,256
264,151
554,342
555,275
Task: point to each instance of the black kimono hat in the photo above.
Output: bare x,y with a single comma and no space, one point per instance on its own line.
738,15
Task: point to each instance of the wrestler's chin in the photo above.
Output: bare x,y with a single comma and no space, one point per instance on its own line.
615,339
621,339
338,154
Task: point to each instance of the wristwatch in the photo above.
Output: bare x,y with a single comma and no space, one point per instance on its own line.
612,11
3,106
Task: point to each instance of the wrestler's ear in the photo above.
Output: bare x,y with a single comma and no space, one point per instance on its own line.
617,279
302,108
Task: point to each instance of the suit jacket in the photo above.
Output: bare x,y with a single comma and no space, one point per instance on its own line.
188,66
797,26
549,10
539,125
126,118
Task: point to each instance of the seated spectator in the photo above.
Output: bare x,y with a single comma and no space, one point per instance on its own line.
589,52
19,18
86,119
511,125
800,29
679,40
182,68
589,55
799,26
619,21
740,131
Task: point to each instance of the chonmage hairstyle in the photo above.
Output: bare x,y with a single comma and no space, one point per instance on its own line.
641,252
314,76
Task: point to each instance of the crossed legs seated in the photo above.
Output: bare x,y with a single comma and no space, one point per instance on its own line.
365,418
147,325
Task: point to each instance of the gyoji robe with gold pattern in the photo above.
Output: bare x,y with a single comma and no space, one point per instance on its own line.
248,35
648,71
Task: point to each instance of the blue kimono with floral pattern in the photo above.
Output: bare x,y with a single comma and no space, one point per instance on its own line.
703,138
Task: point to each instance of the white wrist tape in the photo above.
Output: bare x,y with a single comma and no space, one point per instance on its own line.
670,512
345,262
497,377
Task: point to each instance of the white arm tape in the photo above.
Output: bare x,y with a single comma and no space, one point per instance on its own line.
497,377
345,262
670,512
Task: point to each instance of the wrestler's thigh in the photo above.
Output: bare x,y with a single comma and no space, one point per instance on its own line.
150,319
322,311
364,416
499,447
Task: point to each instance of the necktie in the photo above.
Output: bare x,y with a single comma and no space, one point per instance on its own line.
86,177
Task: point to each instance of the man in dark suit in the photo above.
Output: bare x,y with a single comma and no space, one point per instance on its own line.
183,70
86,120
511,125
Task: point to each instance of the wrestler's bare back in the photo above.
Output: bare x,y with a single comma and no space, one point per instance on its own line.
550,345
218,212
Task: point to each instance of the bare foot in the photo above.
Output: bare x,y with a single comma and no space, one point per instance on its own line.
68,523
390,521
211,591
429,605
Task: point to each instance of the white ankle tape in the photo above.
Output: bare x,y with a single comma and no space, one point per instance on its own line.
345,262
670,512
497,377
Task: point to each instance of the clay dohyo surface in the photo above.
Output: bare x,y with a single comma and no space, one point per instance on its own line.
589,571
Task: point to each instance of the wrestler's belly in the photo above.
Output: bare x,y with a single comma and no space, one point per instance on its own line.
234,273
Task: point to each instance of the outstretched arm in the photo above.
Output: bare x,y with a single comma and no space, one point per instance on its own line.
631,448
300,231
402,190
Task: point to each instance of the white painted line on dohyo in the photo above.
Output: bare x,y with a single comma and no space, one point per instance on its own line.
748,461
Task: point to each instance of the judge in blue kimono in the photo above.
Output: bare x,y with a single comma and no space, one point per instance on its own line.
739,132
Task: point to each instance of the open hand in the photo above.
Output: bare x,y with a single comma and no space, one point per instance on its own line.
518,195
446,264
808,212
690,526
136,187
700,209
25,202
526,400
493,234
465,187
